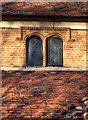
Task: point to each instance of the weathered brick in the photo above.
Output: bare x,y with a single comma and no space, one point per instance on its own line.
73,51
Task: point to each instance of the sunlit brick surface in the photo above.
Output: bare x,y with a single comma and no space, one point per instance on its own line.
74,46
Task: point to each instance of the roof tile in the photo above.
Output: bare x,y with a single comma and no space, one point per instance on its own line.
45,8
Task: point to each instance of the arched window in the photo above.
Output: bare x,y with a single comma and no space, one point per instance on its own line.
54,51
34,51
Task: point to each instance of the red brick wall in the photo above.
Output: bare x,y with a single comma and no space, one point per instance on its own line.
14,50
75,52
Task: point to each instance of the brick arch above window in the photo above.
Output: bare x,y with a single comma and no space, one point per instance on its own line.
43,33
34,34
58,35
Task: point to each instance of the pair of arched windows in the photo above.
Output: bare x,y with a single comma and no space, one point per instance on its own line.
34,51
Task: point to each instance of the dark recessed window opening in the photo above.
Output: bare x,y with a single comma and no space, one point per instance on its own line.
34,51
54,51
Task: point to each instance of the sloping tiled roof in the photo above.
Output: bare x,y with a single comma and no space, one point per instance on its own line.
37,97
45,9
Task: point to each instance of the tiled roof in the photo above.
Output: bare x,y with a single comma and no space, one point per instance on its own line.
43,94
45,8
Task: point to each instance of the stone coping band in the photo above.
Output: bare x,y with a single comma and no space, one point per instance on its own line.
43,69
